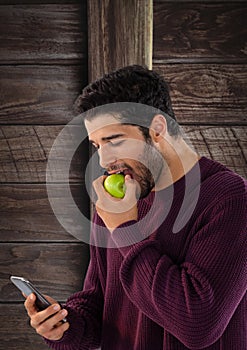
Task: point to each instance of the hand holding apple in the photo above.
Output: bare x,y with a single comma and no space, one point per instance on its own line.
116,211
115,185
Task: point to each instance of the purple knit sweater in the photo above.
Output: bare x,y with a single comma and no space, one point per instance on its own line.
170,291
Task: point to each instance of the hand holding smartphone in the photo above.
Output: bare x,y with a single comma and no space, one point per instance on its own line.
27,288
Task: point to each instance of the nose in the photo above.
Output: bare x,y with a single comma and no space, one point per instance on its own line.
106,156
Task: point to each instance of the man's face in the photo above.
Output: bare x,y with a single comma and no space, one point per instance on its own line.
123,148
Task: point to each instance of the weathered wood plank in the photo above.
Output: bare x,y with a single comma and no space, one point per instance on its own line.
39,94
38,2
15,332
200,31
226,145
43,33
204,1
56,269
119,34
27,216
24,151
207,94
240,135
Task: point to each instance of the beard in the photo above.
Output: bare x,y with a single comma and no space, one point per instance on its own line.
148,174
147,169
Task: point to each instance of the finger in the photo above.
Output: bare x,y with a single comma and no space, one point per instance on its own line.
51,323
132,188
56,333
105,201
30,305
98,185
43,315
51,300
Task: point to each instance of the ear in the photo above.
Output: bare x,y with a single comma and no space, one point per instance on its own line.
158,127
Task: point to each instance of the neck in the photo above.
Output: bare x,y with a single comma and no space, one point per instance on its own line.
179,160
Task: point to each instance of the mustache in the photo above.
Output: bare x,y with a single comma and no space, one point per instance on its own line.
117,168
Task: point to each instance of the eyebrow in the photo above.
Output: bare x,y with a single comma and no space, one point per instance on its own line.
114,136
108,138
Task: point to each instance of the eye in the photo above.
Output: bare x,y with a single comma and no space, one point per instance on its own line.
117,143
95,146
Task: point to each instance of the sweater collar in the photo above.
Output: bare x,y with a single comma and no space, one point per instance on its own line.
191,178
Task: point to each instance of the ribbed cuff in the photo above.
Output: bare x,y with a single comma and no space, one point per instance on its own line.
73,336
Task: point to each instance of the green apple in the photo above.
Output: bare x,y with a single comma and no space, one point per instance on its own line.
114,184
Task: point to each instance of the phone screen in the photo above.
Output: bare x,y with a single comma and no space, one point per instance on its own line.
27,288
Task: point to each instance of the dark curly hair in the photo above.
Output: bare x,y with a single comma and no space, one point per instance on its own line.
136,84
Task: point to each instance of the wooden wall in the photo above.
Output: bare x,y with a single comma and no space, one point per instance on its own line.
43,67
200,47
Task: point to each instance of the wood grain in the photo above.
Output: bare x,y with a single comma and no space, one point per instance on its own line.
43,33
27,215
200,31
119,34
24,152
43,95
186,1
56,269
207,93
38,2
226,145
15,331
39,94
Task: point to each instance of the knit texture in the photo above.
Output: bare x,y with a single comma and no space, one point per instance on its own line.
170,291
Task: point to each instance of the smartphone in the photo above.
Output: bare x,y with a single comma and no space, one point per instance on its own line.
27,288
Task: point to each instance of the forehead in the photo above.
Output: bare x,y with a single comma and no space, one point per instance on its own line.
100,122
104,125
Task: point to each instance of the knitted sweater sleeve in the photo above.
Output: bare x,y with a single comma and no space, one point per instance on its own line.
196,299
84,314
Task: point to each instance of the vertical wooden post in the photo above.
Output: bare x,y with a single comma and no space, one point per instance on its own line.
119,34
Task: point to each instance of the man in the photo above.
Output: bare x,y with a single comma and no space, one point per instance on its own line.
175,279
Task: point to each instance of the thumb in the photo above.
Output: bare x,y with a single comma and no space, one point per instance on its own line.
133,188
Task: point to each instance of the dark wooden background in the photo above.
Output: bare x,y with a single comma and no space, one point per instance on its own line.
201,49
43,67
